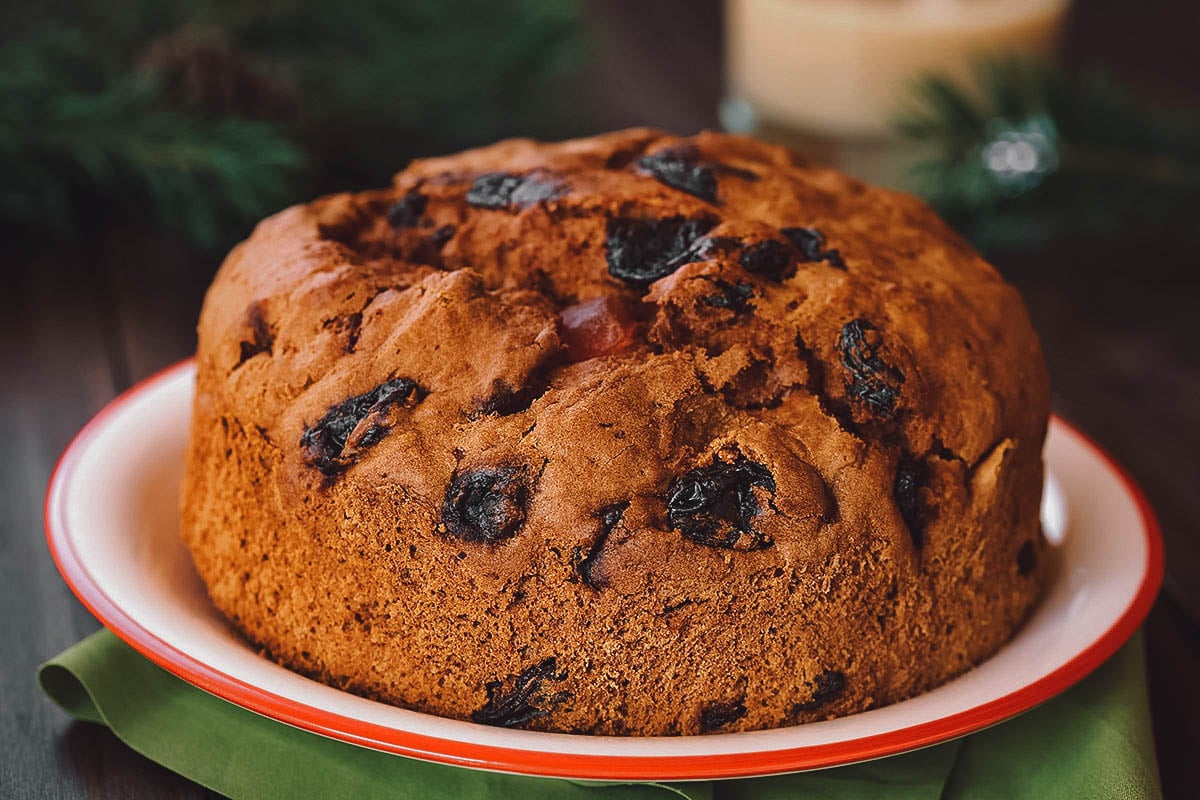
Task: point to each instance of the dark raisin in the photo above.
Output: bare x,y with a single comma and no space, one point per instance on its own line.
834,259
827,687
324,443
717,715
811,244
1026,559
640,251
504,400
373,435
487,504
506,190
809,241
407,211
770,259
708,245
738,172
427,250
442,235
868,379
910,477
681,168
537,189
620,158
716,505
520,698
733,296
494,190
585,566
262,339
611,515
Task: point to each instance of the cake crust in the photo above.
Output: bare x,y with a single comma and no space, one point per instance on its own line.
627,435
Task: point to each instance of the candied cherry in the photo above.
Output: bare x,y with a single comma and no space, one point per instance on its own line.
597,327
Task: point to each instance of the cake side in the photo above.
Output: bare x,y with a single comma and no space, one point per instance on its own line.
625,435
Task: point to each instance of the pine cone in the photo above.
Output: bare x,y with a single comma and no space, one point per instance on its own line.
200,68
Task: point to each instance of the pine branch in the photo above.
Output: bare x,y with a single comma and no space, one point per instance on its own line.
1034,154
197,112
382,80
72,138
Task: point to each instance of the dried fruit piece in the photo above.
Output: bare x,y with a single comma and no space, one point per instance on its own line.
733,296
640,251
811,244
681,168
507,190
809,241
611,515
324,445
505,399
738,172
770,259
585,566
717,715
519,698
707,245
494,190
442,235
716,505
910,477
827,687
407,211
868,378
427,249
1026,558
486,505
597,327
262,339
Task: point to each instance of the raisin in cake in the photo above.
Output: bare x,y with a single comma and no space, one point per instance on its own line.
634,434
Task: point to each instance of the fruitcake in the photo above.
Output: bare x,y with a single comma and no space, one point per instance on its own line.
627,435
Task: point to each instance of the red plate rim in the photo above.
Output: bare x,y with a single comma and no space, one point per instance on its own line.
575,765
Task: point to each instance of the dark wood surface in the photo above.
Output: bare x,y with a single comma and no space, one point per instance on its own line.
80,321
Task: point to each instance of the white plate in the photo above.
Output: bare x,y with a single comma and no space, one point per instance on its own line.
112,522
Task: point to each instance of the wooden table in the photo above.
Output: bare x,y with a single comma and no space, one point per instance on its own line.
80,321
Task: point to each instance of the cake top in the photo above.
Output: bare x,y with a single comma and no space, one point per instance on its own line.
635,330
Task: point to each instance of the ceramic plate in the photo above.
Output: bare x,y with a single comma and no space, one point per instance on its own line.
112,522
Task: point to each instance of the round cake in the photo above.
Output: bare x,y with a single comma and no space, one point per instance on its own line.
626,435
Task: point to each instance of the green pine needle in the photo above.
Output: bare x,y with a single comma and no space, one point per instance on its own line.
71,138
124,118
1030,154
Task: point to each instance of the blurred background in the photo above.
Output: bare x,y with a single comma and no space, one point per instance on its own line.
1024,121
137,145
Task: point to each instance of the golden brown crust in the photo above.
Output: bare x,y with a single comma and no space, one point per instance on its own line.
803,482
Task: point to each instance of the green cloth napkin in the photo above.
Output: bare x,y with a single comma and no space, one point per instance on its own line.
1093,741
